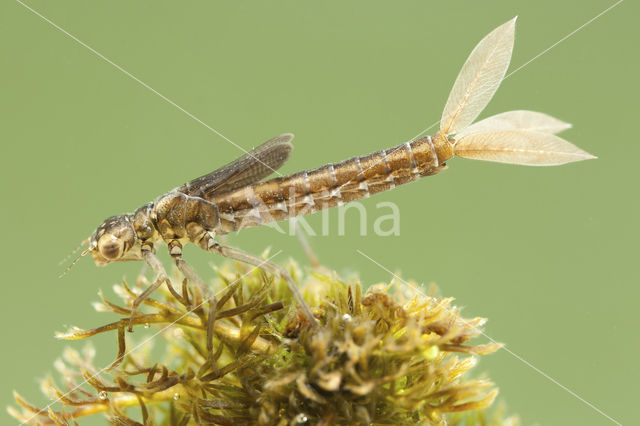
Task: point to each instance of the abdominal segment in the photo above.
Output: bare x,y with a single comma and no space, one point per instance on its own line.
328,186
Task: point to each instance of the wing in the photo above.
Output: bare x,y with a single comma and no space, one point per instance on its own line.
517,120
479,79
519,147
251,167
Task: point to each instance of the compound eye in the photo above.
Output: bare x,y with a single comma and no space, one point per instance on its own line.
110,246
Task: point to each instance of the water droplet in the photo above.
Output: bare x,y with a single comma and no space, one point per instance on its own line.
176,396
301,418
146,325
102,395
346,318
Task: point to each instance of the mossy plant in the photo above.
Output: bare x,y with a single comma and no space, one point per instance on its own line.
387,355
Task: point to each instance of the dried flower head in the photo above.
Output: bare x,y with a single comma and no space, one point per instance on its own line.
247,356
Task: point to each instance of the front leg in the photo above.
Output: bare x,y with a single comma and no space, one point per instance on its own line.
208,243
161,278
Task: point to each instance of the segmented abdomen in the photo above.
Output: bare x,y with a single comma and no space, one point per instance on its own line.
331,185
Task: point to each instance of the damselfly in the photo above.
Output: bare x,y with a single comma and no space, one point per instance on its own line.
236,196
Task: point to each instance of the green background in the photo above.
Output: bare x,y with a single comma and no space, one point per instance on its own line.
549,255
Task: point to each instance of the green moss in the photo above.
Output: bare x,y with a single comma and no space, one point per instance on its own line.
250,357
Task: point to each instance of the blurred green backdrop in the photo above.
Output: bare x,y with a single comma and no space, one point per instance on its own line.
549,255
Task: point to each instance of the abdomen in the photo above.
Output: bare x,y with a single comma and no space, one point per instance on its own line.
331,185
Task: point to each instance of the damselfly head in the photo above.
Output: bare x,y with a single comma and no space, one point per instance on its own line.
114,240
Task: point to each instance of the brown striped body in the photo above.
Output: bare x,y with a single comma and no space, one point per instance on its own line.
331,185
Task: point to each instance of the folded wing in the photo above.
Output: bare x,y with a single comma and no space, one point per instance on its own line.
251,167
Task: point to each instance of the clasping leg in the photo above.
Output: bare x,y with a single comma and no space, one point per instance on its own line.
209,244
161,278
175,249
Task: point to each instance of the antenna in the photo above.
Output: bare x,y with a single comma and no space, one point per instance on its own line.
67,257
84,253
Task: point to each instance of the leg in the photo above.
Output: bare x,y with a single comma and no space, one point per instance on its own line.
190,274
302,238
141,275
161,277
209,244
